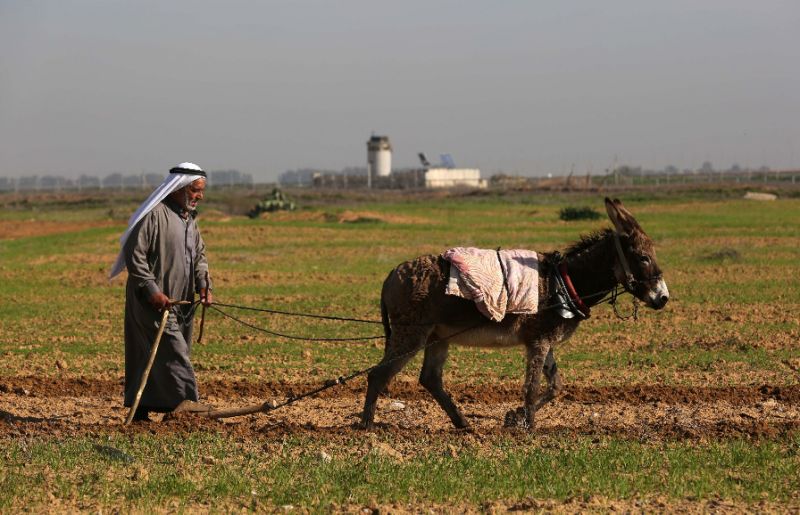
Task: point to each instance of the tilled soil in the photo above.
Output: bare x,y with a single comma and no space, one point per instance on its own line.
63,406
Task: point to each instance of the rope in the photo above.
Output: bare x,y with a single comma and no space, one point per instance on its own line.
292,337
330,383
611,300
295,314
505,276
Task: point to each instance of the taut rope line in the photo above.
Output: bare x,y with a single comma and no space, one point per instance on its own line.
611,299
330,383
289,336
296,314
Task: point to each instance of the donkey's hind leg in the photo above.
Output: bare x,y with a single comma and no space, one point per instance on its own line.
401,347
536,356
554,384
431,379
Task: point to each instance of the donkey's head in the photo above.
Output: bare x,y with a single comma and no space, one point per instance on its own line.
636,267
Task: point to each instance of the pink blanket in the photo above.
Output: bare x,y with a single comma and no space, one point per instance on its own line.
477,274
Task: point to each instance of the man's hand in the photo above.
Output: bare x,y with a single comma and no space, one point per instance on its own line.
206,297
159,301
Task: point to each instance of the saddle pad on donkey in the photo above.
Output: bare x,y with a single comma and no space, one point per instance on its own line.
482,275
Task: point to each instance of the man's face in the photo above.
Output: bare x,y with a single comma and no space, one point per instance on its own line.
189,196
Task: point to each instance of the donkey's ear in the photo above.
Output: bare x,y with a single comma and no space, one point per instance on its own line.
621,218
624,211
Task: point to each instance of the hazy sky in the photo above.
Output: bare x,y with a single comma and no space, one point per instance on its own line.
519,86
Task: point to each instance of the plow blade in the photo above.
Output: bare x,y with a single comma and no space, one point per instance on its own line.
207,411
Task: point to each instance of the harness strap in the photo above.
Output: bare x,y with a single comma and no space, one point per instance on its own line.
505,277
629,279
573,294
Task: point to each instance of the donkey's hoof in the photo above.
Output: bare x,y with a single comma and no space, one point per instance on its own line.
462,425
517,418
363,425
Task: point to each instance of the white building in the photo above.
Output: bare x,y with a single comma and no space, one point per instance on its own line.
379,156
451,177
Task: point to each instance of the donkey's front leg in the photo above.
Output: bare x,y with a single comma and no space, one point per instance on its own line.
536,355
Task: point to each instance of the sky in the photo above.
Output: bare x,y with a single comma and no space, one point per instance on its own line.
519,87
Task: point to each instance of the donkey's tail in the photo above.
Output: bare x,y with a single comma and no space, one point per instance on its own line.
387,329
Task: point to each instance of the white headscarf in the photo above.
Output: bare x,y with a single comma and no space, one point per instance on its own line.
178,177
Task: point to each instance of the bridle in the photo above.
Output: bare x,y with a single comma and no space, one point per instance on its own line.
569,297
630,281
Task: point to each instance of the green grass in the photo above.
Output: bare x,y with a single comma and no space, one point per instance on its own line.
207,469
333,268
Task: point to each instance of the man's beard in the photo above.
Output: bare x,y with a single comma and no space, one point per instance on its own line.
187,203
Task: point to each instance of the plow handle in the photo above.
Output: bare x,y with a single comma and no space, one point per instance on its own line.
146,373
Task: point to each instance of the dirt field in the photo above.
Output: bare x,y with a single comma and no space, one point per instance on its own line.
719,366
69,407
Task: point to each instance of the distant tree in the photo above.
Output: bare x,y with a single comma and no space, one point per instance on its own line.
28,183
88,181
133,181
113,180
707,167
670,170
735,168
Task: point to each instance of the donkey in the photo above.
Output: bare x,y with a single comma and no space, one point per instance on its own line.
418,315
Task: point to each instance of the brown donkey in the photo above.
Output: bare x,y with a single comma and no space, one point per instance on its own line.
418,315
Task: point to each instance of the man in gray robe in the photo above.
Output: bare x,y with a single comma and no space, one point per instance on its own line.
166,261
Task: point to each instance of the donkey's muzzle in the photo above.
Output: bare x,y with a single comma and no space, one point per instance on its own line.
661,302
659,296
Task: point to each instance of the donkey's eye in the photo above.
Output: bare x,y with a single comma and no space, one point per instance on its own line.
644,259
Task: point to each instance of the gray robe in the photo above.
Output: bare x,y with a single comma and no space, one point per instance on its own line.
166,253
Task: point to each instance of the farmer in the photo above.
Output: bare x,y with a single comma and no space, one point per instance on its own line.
166,261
